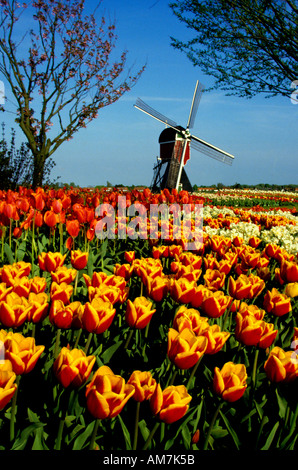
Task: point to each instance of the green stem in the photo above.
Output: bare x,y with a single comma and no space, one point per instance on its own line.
10,227
57,342
94,434
77,338
147,443
32,244
76,284
61,236
254,372
14,410
88,343
2,241
212,425
136,428
60,433
129,336
194,369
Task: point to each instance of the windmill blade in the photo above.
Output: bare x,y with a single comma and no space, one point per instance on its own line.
211,151
142,106
195,104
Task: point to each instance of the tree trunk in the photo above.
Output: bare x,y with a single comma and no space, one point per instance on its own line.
38,170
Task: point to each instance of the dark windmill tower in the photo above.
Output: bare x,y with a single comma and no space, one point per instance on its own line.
175,145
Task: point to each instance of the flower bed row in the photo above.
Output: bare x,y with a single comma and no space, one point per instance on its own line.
199,347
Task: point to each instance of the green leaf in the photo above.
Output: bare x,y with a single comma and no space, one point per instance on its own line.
108,353
282,405
83,437
9,254
125,434
20,443
21,251
270,437
144,430
231,430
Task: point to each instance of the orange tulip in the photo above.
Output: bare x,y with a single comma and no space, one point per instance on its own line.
107,293
240,288
63,316
50,261
73,227
182,290
129,256
79,259
14,310
72,367
139,312
63,274
38,306
7,385
4,291
214,279
187,272
215,338
21,351
144,385
97,315
107,394
185,348
277,303
230,381
22,286
96,280
190,318
61,291
257,285
238,241
157,287
124,270
198,296
254,242
170,404
281,366
10,273
289,271
50,218
214,304
253,332
291,289
57,206
38,284
245,309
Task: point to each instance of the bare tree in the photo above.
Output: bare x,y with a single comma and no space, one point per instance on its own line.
59,65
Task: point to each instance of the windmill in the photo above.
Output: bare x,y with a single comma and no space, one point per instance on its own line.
175,144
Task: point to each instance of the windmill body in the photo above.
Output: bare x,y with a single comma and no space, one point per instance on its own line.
176,143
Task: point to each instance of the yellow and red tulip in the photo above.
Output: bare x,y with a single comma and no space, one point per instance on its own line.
107,393
229,382
72,367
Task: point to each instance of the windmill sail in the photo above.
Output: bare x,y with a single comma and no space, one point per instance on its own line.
195,104
142,106
211,151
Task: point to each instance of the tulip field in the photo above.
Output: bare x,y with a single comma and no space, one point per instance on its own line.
129,343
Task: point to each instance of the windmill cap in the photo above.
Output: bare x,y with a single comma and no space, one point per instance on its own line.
169,134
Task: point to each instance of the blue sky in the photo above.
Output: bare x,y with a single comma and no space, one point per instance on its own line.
121,145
